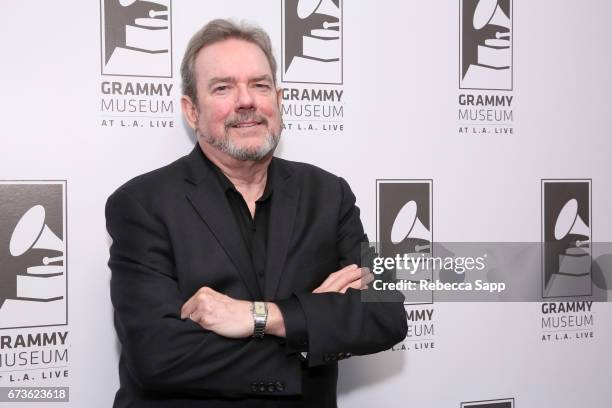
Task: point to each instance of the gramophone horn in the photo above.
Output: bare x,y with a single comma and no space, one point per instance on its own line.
569,222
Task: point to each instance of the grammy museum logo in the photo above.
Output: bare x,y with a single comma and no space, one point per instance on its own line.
33,292
405,226
312,62
136,41
33,282
486,67
566,237
136,38
567,259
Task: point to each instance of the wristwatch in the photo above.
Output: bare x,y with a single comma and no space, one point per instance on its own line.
260,316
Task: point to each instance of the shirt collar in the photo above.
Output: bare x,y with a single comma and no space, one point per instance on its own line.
226,184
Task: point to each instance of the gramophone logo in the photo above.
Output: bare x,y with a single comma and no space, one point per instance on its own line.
312,41
499,403
136,38
566,235
486,44
33,254
404,226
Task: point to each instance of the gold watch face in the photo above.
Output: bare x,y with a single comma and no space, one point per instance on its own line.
260,308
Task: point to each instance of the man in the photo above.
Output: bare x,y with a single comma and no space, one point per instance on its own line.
222,262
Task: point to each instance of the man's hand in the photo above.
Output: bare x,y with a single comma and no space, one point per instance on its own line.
348,277
229,317
214,311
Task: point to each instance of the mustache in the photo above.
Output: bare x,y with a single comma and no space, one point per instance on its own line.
245,117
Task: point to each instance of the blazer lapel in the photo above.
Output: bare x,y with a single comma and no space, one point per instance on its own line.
209,201
282,217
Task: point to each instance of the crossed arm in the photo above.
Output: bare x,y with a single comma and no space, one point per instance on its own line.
232,318
164,350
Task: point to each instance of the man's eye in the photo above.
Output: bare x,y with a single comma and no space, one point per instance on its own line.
262,86
221,88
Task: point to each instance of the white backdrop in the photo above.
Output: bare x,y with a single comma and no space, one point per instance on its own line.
400,102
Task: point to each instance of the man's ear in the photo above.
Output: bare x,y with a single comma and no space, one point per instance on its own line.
190,112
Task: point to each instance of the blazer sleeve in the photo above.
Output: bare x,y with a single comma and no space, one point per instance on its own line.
340,325
162,351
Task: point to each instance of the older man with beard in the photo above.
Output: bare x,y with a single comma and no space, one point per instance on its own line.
236,277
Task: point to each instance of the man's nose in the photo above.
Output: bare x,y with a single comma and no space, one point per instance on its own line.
244,98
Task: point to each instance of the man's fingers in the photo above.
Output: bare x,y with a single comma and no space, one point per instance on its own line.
192,304
188,308
367,278
334,278
348,277
355,285
195,316
361,283
330,284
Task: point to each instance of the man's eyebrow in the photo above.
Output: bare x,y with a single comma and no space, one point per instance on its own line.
216,80
264,77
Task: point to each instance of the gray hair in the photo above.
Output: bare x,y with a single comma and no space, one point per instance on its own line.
216,31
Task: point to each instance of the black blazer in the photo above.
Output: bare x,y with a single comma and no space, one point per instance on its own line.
173,232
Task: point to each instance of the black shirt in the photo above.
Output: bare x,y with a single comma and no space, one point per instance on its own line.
254,231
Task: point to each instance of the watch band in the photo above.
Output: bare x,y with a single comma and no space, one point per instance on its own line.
260,316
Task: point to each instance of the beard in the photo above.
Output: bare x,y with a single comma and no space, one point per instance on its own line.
228,146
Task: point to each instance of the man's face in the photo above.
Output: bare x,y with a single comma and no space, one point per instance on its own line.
238,104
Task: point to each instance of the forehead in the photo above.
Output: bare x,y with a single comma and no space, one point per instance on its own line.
231,58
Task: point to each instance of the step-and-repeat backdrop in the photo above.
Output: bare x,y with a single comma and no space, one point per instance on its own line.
473,120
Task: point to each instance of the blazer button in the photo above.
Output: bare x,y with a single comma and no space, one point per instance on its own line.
271,387
279,386
254,387
262,387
